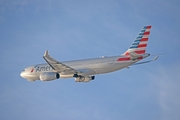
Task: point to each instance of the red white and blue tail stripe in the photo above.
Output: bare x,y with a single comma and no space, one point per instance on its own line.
140,43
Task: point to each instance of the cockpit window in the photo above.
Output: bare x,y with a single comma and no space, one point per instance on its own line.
23,70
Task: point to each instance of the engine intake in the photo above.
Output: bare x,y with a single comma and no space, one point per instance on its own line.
48,76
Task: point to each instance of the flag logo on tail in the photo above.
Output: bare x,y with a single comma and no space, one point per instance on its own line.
140,43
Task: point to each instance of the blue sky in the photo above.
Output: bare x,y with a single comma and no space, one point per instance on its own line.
86,29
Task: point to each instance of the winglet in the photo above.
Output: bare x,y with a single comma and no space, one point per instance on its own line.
46,53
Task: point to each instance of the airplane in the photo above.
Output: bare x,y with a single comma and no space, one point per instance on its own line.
85,70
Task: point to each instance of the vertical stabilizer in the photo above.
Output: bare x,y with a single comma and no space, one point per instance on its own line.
140,43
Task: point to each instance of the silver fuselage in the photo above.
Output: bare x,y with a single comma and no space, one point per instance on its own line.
95,66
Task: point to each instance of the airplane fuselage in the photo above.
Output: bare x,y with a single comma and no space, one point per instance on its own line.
90,66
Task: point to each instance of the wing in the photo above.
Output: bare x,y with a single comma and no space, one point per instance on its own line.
56,65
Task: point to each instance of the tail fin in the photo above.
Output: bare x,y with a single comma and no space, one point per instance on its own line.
140,43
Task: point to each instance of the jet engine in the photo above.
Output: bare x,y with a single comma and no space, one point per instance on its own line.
48,76
84,78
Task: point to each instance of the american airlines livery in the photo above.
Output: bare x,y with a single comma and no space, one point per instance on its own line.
85,70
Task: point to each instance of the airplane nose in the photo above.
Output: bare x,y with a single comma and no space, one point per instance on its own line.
22,74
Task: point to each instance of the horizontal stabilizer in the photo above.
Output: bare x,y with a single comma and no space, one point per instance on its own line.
156,58
147,61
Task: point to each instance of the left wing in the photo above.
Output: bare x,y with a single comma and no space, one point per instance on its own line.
56,65
62,68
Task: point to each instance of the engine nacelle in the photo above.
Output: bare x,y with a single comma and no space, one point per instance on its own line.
48,76
84,78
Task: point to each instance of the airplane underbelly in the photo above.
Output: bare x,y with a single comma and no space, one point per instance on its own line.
32,77
111,67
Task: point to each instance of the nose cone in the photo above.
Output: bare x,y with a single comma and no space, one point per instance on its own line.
28,74
22,74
